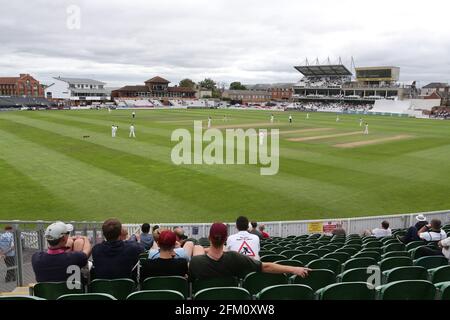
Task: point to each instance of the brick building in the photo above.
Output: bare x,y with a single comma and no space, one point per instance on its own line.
24,85
156,87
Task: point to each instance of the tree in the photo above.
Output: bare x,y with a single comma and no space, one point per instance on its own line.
187,83
208,84
237,86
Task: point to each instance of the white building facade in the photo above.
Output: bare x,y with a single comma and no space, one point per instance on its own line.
77,91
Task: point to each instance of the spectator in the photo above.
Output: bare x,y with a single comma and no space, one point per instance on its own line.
179,252
145,238
432,233
384,231
412,234
165,264
8,251
338,231
255,231
445,246
243,241
220,263
181,237
264,233
115,258
52,266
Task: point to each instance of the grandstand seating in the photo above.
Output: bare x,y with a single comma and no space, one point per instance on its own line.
338,274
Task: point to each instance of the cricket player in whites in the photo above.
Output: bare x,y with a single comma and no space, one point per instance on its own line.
132,134
133,115
114,130
261,138
290,119
209,122
337,118
271,118
307,116
360,122
366,128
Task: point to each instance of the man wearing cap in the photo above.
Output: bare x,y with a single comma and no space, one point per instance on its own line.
432,233
411,234
219,263
52,265
115,258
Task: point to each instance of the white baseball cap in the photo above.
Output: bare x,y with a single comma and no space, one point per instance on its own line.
57,230
421,217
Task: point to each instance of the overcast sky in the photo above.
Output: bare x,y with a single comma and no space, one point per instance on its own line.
127,42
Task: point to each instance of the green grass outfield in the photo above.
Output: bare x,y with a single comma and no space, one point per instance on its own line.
49,171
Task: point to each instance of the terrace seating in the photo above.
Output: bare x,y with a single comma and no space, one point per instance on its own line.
155,295
225,293
316,279
254,282
286,292
118,288
347,291
407,290
53,290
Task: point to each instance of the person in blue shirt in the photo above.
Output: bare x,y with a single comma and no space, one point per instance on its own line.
145,238
8,252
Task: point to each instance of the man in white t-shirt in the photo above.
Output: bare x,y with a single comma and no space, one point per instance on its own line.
445,245
384,231
243,241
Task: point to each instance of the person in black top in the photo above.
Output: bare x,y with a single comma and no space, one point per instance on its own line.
115,258
219,263
411,234
166,264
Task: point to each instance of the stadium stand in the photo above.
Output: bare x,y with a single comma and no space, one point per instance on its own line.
25,102
335,275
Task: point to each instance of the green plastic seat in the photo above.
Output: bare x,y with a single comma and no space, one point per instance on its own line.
358,263
394,262
354,241
316,279
223,293
340,256
443,289
389,241
431,262
368,254
290,253
413,244
394,247
175,283
326,263
319,252
201,284
354,275
357,247
395,254
386,239
273,258
347,291
53,290
286,292
405,273
305,258
330,247
256,281
379,250
415,253
292,246
373,244
118,288
265,252
439,274
350,251
305,248
278,250
155,295
87,296
292,263
407,290
19,298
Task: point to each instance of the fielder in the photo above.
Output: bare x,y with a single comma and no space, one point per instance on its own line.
366,128
261,138
272,118
209,122
307,116
133,114
337,118
290,119
113,130
109,110
360,122
132,134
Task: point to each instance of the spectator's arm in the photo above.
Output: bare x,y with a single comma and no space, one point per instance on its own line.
422,230
269,267
87,247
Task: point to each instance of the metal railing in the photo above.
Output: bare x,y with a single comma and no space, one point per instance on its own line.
30,235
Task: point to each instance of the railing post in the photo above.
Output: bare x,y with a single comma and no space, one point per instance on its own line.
19,257
40,235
